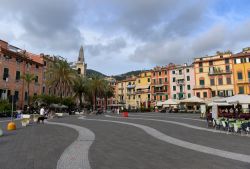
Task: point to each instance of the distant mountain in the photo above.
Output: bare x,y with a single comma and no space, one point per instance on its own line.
91,72
123,76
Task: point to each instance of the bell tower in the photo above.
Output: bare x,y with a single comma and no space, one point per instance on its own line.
81,66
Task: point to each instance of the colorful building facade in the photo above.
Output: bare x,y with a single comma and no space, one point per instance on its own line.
241,72
182,81
142,88
214,76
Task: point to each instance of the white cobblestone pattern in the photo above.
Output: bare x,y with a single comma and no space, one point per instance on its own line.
195,147
170,117
76,155
177,123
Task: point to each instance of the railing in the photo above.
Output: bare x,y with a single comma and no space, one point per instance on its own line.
243,81
142,91
201,87
130,86
220,72
160,91
180,83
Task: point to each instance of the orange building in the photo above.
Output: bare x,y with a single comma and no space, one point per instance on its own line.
241,72
15,62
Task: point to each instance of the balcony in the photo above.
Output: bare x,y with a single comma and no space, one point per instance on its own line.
180,76
219,72
130,86
201,87
142,91
242,81
160,91
180,82
130,93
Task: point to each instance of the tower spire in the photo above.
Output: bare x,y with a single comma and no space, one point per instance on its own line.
81,55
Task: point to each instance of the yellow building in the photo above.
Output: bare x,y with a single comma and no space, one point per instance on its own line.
130,93
213,75
241,72
142,89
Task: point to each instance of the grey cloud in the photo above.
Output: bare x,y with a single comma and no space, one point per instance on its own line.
113,46
47,24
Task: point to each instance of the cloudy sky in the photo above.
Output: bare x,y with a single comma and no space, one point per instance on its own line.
123,35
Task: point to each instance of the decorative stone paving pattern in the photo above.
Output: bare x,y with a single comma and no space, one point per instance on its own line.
195,147
76,155
178,123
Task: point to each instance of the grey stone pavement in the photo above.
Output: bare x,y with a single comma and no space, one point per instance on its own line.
119,146
34,146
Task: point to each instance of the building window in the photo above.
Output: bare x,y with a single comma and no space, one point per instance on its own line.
229,80
37,66
226,61
205,94
200,64
180,72
26,96
134,97
174,88
200,70
154,74
166,97
174,96
159,73
154,97
198,94
212,82
202,82
16,96
165,72
166,88
18,75
43,89
241,90
210,63
188,78
160,81
220,81
237,61
166,80
36,79
148,96
173,72
249,76
189,95
139,81
240,77
227,68
154,81
129,97
160,97
5,73
188,87
173,79
148,79
213,93
187,70
139,96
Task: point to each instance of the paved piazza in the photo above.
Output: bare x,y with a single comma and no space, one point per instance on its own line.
141,141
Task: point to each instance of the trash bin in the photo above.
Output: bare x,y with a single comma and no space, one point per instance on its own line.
125,114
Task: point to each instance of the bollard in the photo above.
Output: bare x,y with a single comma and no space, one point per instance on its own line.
11,126
125,114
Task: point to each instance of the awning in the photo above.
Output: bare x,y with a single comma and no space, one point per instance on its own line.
193,99
170,102
219,104
240,98
160,103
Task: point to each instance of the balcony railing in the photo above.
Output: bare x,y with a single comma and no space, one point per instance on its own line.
202,87
160,91
130,86
142,91
180,83
219,72
240,81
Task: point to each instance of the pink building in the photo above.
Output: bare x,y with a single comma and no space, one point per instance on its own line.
182,81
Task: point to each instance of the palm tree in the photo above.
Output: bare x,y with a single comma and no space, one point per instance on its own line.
80,88
108,92
60,76
96,88
28,78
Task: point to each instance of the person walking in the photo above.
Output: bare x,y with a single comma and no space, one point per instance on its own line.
42,113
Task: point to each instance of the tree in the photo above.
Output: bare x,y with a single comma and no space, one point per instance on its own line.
28,78
108,92
60,76
80,88
95,89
